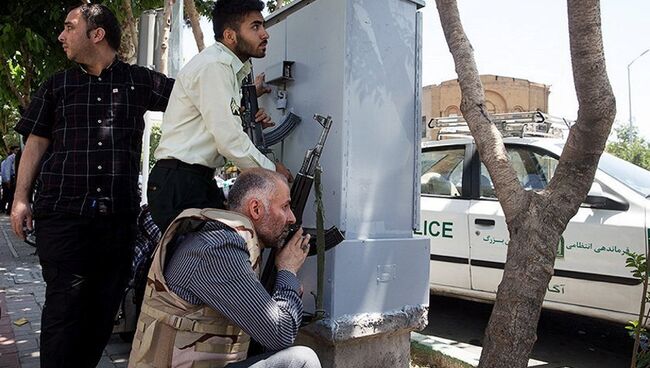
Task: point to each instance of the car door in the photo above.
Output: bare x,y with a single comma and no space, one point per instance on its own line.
590,265
444,206
590,271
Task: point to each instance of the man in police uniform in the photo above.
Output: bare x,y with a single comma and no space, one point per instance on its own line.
202,124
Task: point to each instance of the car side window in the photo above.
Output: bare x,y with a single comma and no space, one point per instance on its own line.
485,184
534,170
547,165
442,172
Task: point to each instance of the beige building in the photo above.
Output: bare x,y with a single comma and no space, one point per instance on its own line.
502,94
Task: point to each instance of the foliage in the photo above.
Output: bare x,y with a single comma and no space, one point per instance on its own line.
9,115
204,7
29,53
153,144
630,146
138,7
29,48
272,5
638,264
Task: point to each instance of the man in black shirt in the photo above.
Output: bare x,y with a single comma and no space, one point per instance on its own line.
84,134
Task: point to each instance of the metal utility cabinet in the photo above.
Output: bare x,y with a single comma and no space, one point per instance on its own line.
358,61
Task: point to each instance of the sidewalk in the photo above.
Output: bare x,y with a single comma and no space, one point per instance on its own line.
22,294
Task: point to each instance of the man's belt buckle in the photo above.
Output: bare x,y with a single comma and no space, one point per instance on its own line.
102,205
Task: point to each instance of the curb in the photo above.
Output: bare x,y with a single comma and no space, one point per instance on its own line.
434,351
443,353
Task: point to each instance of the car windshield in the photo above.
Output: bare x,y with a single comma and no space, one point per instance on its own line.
631,175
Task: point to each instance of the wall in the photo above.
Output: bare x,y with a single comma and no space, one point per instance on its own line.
502,94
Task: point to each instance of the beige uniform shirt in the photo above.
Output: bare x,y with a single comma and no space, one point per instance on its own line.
202,123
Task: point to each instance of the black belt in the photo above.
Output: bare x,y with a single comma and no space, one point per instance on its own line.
173,163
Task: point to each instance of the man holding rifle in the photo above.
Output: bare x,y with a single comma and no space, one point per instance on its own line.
205,303
202,124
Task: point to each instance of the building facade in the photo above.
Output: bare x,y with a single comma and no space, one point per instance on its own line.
502,94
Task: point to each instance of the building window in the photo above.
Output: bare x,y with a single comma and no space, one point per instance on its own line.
423,127
452,111
490,107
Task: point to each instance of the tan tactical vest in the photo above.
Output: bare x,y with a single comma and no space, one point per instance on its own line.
173,333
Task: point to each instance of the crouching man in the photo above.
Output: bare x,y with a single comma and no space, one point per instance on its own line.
204,300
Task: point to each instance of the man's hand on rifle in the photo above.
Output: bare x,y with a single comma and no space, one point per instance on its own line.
262,118
260,87
280,168
293,254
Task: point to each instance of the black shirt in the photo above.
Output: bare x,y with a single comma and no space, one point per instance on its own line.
95,125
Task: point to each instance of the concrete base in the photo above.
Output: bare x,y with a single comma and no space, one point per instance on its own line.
383,350
365,340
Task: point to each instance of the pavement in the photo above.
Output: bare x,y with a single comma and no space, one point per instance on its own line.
22,295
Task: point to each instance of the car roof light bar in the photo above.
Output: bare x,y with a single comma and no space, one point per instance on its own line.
516,124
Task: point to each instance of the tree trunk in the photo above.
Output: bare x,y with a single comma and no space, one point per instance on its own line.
194,17
129,46
535,220
164,36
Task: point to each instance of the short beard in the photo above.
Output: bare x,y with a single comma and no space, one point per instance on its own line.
246,50
271,241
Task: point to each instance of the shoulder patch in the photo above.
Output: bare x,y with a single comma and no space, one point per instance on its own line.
234,107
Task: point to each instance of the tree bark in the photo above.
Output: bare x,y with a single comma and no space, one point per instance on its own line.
535,220
194,17
164,36
129,47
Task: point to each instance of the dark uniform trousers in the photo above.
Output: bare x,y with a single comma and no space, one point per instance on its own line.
175,186
86,264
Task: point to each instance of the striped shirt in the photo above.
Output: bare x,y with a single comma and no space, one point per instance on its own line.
212,267
95,124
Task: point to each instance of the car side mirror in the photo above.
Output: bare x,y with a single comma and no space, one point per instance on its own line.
596,190
598,199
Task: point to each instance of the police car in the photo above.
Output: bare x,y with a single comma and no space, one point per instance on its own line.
469,238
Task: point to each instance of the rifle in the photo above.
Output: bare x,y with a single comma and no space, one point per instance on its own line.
254,130
249,101
299,194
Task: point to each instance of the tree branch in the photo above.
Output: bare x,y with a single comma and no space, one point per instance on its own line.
487,136
596,111
129,47
193,16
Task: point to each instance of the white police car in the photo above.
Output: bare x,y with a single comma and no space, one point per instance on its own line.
465,222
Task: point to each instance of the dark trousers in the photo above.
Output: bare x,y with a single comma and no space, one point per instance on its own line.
86,265
7,197
175,186
10,198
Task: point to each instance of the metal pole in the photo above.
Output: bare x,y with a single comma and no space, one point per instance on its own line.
629,90
175,54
